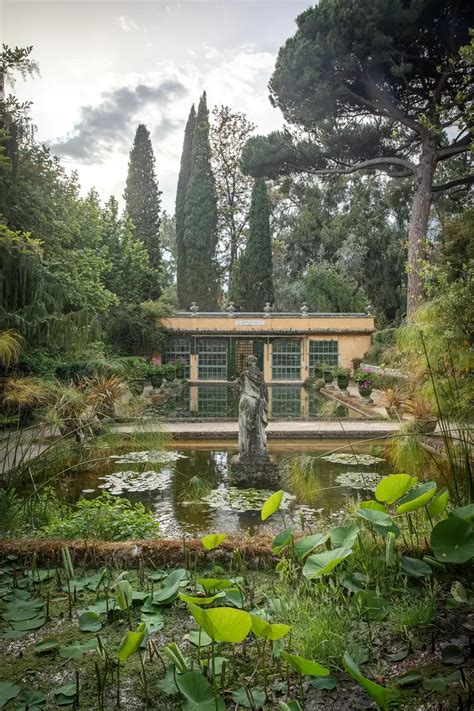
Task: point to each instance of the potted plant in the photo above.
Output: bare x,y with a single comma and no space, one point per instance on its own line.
328,374
423,414
180,366
170,372
155,373
365,385
138,375
342,378
318,370
394,399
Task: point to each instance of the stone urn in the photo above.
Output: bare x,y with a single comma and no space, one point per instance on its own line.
365,390
328,376
342,382
426,426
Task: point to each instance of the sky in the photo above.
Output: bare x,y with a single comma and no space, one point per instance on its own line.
106,66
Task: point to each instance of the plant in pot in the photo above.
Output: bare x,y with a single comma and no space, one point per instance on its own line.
328,374
342,378
318,370
170,371
155,373
138,375
180,366
365,385
394,398
423,414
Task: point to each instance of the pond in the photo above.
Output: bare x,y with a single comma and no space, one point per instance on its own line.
221,400
162,480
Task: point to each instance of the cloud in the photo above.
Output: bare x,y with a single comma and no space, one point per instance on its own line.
110,124
127,25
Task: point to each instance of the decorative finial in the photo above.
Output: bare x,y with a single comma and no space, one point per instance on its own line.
194,308
268,308
369,308
304,309
231,308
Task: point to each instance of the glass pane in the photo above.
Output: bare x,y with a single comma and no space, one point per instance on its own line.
286,360
323,352
179,349
286,401
212,358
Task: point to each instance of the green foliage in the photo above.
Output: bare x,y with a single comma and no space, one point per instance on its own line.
255,285
143,200
199,281
108,518
183,180
327,289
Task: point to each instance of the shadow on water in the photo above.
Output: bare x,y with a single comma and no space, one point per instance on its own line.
161,481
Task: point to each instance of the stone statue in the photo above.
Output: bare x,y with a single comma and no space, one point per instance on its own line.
253,410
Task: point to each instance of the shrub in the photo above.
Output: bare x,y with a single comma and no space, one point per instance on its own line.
106,518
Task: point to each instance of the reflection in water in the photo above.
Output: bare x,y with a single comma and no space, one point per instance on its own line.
221,400
226,508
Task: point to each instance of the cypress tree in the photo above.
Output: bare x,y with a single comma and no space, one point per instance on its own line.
200,221
143,200
256,269
183,179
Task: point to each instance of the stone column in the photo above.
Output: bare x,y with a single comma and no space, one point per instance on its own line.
267,362
193,367
304,358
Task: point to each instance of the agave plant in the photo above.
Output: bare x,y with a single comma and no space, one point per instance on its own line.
103,392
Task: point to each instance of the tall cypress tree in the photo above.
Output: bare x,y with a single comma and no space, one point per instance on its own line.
143,200
183,179
256,271
200,221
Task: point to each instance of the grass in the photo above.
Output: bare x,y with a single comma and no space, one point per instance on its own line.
409,612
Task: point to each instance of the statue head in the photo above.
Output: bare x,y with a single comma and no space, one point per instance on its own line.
252,361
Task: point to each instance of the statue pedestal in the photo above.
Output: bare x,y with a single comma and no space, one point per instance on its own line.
261,473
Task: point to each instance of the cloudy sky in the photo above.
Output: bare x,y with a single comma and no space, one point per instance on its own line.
107,66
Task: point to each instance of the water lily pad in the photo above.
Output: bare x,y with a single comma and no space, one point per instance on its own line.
154,456
8,691
129,480
28,625
76,650
46,645
452,654
365,460
452,540
256,701
235,499
359,480
204,640
89,621
30,701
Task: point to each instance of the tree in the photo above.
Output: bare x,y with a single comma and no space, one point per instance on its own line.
183,180
256,268
229,133
328,290
200,219
143,200
378,87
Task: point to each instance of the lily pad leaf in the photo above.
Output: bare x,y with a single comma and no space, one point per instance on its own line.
415,567
464,512
282,540
131,642
393,487
196,600
323,563
30,701
372,605
46,645
418,497
381,521
304,546
373,505
452,540
204,640
76,649
214,584
305,667
213,540
408,678
198,693
223,624
344,536
27,625
452,654
250,699
169,588
437,505
90,622
65,695
8,691
377,692
271,505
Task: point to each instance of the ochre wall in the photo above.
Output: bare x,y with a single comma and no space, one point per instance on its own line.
238,322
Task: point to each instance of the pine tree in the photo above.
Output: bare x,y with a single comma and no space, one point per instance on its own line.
200,230
143,200
183,180
256,268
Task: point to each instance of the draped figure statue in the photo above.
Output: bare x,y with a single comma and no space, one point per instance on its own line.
253,411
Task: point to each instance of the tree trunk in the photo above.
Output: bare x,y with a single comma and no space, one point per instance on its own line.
418,227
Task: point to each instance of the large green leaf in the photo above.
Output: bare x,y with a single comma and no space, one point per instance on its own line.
213,540
200,600
393,487
27,625
437,505
174,653
273,632
372,605
377,692
30,701
282,540
169,588
381,521
271,505
89,622
323,563
373,505
464,512
415,567
344,536
304,546
305,667
452,540
65,695
131,642
223,624
254,699
198,693
124,594
46,645
213,584
8,691
418,497
75,650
